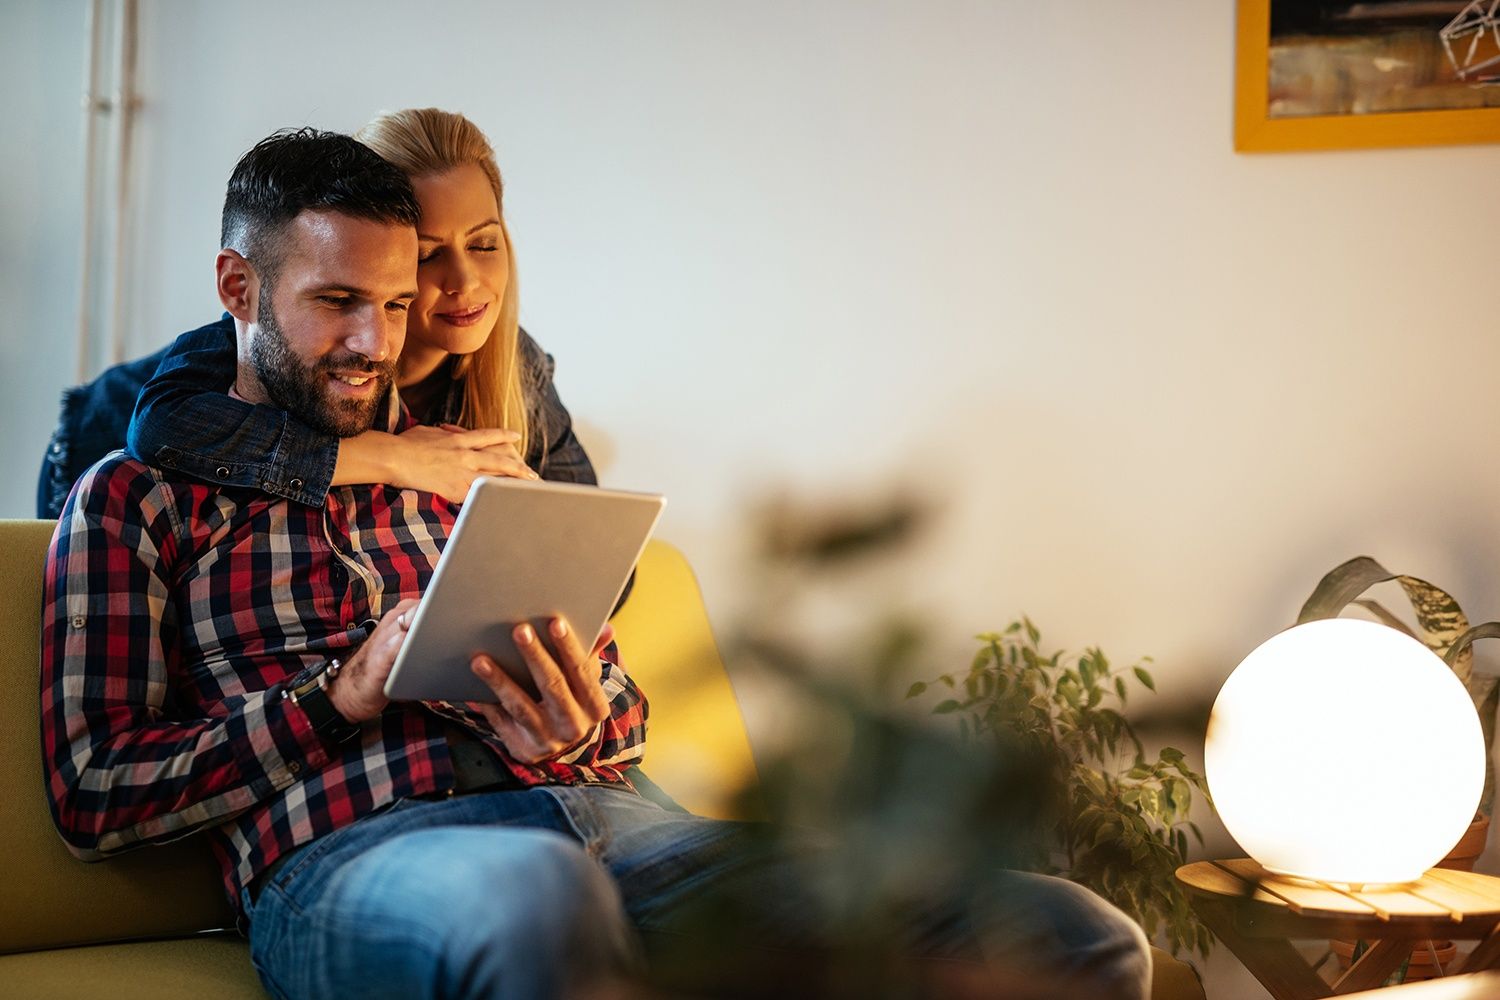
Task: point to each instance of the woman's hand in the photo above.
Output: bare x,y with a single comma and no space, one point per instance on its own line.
571,701
444,460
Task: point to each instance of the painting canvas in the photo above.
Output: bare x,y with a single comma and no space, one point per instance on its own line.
1336,73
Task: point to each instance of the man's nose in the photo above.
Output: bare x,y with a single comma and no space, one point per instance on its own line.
372,337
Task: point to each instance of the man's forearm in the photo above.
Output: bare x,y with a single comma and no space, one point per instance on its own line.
161,781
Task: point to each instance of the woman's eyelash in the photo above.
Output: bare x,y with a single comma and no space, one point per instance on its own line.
429,255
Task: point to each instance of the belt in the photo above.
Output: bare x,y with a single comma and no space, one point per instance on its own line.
476,768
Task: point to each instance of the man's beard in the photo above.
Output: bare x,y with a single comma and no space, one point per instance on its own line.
303,390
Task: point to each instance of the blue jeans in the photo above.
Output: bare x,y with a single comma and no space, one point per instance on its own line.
551,892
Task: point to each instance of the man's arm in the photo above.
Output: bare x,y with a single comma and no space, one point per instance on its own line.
123,764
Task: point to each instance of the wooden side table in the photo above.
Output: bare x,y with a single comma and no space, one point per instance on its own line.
1256,914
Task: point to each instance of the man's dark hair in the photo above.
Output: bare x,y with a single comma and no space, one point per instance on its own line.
293,170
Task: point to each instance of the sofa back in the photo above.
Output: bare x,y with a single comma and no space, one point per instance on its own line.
698,752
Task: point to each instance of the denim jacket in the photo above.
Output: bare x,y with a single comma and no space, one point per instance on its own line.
93,422
183,419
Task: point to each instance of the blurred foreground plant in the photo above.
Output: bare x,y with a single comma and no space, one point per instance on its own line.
1117,820
920,809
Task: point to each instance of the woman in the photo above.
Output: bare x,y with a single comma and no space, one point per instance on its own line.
467,369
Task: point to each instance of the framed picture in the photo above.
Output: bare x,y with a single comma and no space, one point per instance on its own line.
1340,74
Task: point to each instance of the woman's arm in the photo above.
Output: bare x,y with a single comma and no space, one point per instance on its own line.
555,451
184,419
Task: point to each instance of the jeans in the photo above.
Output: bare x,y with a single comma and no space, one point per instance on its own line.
562,891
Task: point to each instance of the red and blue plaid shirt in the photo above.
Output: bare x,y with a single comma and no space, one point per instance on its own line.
175,615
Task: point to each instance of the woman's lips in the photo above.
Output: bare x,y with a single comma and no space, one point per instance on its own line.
464,317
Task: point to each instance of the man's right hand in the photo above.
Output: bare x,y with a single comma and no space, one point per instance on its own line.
359,690
444,460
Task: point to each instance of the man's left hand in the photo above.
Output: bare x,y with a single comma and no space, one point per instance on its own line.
571,700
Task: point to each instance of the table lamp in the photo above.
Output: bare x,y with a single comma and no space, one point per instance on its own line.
1345,751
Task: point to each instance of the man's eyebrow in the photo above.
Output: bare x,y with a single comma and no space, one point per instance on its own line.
472,230
363,293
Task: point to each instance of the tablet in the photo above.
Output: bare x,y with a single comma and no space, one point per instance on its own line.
520,551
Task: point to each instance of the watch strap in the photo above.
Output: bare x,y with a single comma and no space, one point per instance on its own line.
309,692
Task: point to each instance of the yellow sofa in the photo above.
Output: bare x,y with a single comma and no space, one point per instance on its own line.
142,924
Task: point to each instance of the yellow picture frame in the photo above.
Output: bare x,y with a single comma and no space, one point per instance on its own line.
1256,132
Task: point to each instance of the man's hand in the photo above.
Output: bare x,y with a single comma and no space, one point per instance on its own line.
359,690
571,700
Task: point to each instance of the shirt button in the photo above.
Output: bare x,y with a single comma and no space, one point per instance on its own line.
79,621
350,627
294,767
222,472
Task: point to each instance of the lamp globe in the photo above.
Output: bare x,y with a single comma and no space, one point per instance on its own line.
1345,751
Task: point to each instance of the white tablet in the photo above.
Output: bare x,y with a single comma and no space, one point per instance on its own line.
521,551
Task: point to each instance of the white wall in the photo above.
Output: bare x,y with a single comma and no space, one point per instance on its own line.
1001,250
41,183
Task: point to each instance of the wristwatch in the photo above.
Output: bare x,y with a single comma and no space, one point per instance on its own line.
309,692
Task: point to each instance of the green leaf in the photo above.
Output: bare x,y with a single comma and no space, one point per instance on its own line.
1120,688
1145,678
1032,632
947,707
916,689
1341,585
1180,795
1385,617
1441,620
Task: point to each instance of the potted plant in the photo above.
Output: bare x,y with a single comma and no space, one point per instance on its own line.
1118,819
1441,626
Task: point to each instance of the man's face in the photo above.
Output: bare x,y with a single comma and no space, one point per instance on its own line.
331,322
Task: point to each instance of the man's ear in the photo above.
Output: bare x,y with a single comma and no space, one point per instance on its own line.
238,284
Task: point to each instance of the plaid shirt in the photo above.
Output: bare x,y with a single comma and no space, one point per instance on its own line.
177,613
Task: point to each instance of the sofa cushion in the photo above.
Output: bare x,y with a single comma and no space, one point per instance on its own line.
216,966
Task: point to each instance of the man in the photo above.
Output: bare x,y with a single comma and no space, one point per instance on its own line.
213,659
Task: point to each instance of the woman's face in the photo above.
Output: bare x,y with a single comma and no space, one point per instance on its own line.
462,267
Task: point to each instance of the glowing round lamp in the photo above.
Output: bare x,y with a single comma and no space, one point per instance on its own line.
1345,751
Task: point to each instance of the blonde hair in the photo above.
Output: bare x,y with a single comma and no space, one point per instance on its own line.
497,381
